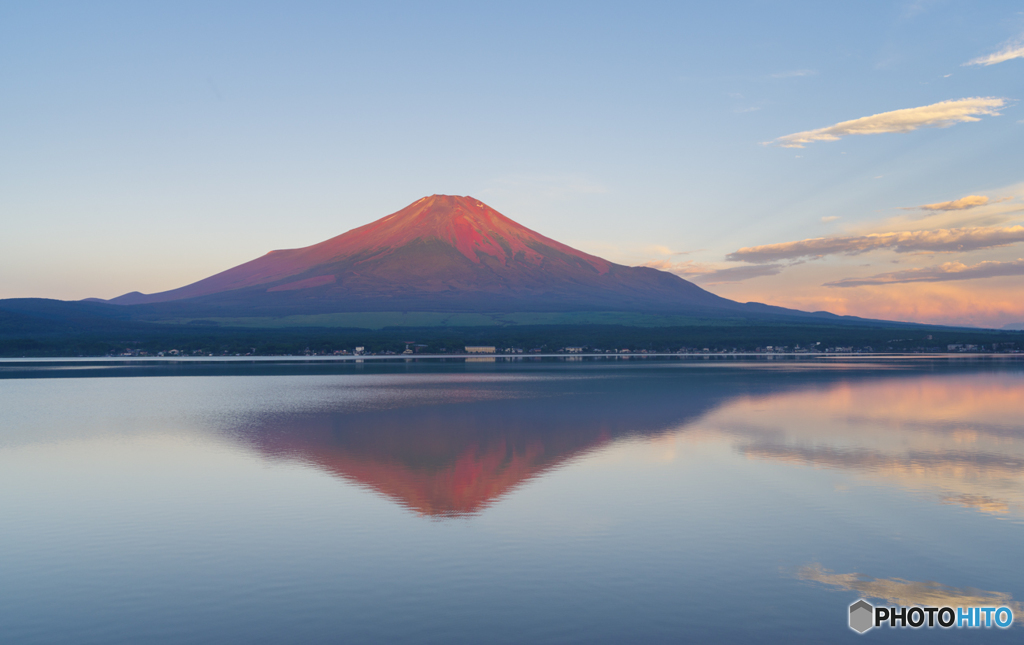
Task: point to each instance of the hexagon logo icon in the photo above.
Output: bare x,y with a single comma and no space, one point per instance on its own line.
861,614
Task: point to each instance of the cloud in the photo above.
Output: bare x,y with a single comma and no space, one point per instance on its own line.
937,115
738,274
830,218
688,267
945,272
964,203
707,274
1014,49
941,240
914,9
981,303
664,250
1000,211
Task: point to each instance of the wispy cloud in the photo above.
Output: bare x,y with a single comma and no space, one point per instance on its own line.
957,213
830,218
937,115
913,9
739,274
941,240
686,268
945,272
707,274
964,203
982,303
1013,49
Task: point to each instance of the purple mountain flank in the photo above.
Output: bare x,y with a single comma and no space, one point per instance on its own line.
440,253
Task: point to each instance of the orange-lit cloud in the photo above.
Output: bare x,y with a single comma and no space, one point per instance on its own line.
942,273
938,303
937,115
686,268
971,201
957,213
941,240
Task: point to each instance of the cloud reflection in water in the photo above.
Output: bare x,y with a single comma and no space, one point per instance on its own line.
956,438
897,591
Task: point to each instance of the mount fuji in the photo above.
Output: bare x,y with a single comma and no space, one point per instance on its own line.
442,253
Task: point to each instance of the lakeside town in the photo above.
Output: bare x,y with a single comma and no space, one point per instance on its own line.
412,348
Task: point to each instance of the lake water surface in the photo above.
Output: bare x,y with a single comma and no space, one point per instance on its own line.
614,501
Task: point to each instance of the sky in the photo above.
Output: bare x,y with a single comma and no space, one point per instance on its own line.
864,159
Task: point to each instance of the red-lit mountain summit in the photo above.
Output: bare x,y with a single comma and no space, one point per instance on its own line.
440,253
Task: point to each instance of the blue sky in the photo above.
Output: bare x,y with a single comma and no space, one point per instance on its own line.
146,147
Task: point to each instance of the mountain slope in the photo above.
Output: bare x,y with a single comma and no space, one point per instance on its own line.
441,253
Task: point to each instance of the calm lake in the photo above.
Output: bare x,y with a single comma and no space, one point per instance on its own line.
481,501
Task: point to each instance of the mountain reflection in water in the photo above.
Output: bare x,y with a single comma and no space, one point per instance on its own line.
445,459
509,502
955,436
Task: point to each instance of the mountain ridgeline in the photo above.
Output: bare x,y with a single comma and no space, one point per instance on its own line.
441,253
446,271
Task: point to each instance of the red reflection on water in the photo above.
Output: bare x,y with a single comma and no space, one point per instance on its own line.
439,464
